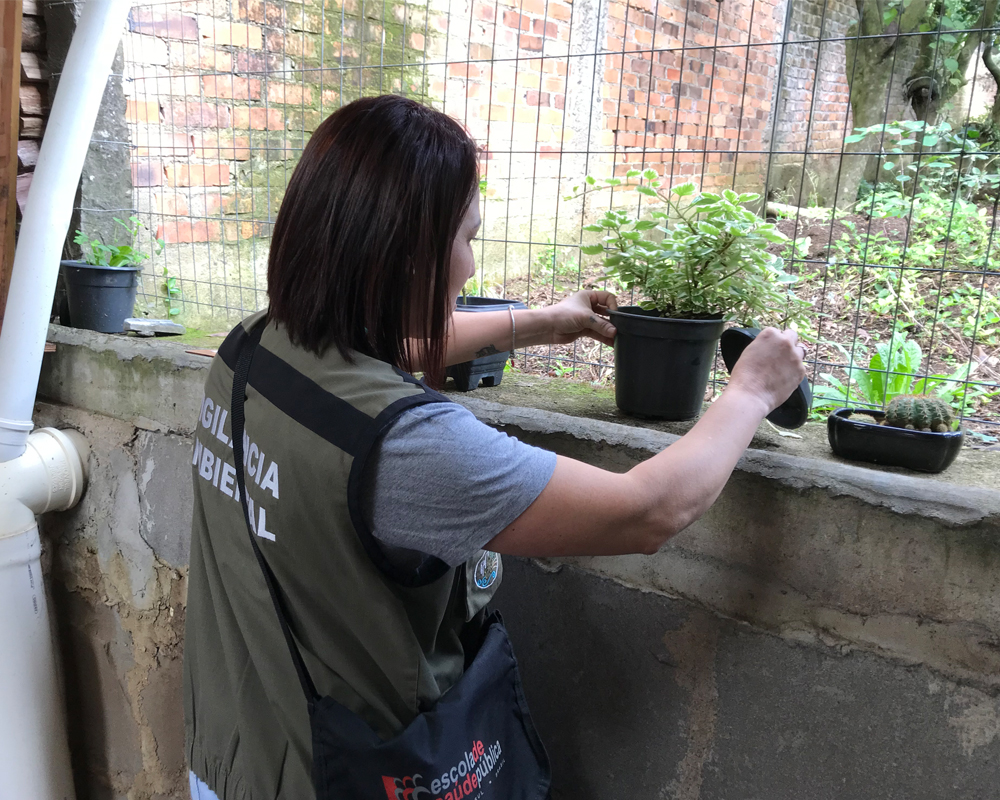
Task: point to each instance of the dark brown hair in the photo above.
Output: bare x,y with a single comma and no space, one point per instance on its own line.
361,251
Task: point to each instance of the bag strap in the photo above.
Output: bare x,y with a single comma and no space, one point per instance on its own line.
240,375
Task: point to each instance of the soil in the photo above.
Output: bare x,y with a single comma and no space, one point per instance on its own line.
823,234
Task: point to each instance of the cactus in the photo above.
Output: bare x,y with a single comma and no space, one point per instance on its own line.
864,418
919,412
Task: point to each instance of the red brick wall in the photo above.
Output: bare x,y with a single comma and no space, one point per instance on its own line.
688,108
207,94
222,96
812,116
213,97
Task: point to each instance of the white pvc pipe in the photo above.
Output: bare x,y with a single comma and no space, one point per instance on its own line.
47,215
34,754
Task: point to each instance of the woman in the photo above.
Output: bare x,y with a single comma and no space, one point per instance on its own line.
377,506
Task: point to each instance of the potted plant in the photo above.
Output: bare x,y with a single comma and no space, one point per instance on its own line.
915,431
697,261
487,368
101,289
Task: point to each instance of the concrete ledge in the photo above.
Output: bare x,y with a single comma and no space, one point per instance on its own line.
154,384
936,498
805,547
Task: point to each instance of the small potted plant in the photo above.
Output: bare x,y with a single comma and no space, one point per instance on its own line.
697,261
101,289
915,431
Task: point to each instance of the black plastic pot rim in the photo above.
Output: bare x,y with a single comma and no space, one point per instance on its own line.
487,304
100,267
635,321
639,312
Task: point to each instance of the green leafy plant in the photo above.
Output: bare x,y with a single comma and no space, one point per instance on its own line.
697,254
561,370
934,158
99,254
171,292
892,371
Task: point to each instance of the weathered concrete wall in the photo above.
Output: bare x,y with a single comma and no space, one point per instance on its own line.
105,189
117,581
826,631
639,695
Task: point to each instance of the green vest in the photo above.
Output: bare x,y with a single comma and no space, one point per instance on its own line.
380,648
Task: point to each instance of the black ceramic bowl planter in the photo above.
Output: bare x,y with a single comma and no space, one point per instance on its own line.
662,365
100,298
487,370
924,451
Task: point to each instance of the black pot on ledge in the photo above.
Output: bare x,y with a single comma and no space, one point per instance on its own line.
662,365
99,298
923,451
487,370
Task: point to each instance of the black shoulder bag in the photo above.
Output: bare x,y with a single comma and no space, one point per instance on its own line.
478,742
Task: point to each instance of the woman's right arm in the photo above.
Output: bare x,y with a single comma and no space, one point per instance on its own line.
584,510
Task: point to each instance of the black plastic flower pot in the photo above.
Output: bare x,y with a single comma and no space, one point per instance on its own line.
662,365
99,298
485,370
791,414
923,451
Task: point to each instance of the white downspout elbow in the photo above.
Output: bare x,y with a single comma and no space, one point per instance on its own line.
49,475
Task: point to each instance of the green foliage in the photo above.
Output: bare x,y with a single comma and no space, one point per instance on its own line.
561,370
894,370
890,276
171,292
549,267
869,266
971,311
697,254
97,253
919,413
942,229
933,158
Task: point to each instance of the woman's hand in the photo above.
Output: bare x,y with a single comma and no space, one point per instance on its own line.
582,314
771,367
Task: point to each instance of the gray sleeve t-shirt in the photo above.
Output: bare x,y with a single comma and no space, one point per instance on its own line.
443,483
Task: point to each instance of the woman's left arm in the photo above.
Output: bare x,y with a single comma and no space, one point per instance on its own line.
581,314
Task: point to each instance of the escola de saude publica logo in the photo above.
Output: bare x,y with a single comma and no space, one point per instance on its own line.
464,780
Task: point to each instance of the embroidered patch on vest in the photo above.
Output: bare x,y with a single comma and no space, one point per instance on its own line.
486,569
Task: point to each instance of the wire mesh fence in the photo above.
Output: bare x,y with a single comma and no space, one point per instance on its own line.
867,129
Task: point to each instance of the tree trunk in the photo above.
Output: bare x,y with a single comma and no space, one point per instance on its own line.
929,87
869,72
989,56
879,42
